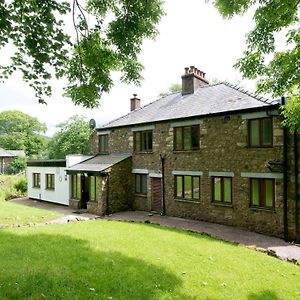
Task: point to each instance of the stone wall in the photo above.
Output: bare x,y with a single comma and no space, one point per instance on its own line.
4,164
223,148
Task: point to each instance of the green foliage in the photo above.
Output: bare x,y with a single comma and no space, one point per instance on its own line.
21,185
109,35
7,187
173,88
73,138
291,113
277,71
19,131
18,165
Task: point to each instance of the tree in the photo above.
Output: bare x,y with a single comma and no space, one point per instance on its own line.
173,88
18,165
19,131
73,138
109,35
277,70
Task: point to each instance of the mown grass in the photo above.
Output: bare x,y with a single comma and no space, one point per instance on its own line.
118,260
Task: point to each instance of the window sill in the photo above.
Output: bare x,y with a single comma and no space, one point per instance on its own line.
186,151
143,152
186,201
36,187
49,189
260,147
140,195
263,209
224,204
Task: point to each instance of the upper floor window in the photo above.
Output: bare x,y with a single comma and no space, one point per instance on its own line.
187,187
50,181
222,189
140,184
186,137
262,192
260,132
143,141
103,143
36,180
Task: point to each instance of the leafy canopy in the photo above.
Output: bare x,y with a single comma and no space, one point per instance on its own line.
72,138
173,88
19,131
109,35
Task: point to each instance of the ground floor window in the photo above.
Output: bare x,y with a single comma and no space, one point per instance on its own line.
222,189
94,193
50,181
262,193
76,186
141,184
187,187
36,180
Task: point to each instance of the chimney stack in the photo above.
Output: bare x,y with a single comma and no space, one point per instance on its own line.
135,103
192,79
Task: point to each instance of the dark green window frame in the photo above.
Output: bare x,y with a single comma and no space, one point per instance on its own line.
36,180
186,138
220,191
260,132
187,187
50,181
94,191
262,193
103,143
140,184
76,186
143,141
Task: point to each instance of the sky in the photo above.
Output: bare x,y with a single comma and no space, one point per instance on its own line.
191,33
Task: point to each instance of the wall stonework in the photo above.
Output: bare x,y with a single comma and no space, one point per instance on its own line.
223,148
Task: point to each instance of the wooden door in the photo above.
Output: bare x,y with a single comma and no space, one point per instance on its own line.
156,201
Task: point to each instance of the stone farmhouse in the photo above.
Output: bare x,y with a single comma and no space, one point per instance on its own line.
210,152
6,157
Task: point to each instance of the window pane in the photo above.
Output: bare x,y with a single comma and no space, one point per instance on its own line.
217,189
149,140
74,186
227,189
196,188
92,188
269,192
195,137
254,132
178,138
78,187
97,190
187,143
144,184
144,141
137,141
255,191
188,187
267,131
138,183
179,187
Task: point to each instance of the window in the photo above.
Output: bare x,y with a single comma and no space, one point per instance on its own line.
260,132
187,187
103,143
141,184
262,192
186,138
143,141
94,182
76,186
50,181
222,190
36,180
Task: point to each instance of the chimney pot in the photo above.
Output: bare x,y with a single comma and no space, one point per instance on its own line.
186,70
192,69
203,74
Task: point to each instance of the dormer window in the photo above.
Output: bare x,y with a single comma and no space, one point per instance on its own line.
261,132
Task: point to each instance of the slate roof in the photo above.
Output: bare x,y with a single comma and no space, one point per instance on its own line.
207,100
11,153
99,163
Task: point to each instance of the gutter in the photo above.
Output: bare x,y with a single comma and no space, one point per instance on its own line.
162,159
285,180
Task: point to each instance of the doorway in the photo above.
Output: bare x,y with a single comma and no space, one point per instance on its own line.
156,199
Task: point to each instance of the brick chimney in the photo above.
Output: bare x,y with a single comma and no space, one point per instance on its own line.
135,103
192,79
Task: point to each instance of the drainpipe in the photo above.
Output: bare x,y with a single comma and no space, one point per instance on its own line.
162,159
285,179
107,195
296,186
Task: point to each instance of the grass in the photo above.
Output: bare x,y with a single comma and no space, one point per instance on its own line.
13,213
118,260
7,186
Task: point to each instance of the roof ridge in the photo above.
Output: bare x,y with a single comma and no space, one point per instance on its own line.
242,90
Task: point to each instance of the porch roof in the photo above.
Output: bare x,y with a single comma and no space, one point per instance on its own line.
98,163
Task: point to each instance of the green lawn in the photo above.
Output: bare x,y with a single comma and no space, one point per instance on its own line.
118,260
13,213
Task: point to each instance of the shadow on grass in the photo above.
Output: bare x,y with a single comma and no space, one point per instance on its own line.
264,295
38,266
